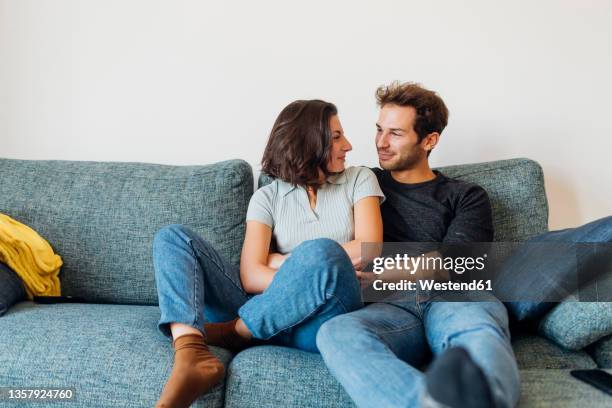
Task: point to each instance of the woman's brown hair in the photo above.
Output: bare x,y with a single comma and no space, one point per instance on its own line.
299,143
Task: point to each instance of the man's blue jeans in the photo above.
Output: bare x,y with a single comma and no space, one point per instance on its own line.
196,285
373,351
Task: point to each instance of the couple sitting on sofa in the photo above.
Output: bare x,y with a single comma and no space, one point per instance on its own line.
305,292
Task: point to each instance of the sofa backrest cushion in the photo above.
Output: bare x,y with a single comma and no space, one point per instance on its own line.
516,190
101,217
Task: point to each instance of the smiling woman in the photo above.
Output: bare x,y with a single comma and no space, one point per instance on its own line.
316,214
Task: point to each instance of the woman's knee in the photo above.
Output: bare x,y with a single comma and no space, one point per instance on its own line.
325,257
175,234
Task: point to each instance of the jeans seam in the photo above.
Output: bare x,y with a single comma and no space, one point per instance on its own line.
403,328
195,284
239,287
327,299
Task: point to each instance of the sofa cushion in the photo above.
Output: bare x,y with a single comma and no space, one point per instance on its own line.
557,388
100,217
602,352
255,374
272,376
535,352
12,289
113,355
575,325
516,191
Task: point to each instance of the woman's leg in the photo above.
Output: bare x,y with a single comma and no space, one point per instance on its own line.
316,283
194,284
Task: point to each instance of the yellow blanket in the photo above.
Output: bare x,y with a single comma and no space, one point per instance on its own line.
30,256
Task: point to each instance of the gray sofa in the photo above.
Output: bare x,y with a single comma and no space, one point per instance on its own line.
101,218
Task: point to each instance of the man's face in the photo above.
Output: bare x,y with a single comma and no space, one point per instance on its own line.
396,140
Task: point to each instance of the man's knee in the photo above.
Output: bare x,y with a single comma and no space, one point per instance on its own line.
340,333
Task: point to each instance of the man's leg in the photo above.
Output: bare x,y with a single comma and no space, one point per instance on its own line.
316,283
481,328
539,268
372,353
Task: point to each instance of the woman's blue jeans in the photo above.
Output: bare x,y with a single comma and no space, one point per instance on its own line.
196,285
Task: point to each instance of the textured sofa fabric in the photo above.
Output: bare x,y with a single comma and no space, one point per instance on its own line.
101,217
113,355
575,325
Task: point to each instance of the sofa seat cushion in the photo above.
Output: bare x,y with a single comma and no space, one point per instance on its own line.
113,355
271,376
535,352
557,388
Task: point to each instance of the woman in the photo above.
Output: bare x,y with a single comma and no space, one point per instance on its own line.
316,213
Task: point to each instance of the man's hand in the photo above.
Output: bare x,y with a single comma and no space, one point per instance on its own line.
365,278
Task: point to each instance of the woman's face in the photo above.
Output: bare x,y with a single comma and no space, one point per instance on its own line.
340,146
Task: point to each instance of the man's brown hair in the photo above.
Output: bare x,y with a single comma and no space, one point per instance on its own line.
431,112
299,143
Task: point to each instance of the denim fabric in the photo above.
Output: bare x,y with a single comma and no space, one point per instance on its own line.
101,216
12,289
543,273
195,284
372,352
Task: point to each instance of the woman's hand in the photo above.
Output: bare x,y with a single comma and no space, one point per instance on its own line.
275,260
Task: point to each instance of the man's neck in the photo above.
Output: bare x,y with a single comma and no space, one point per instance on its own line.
418,174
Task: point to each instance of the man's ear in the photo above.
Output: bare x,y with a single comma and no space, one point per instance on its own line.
430,141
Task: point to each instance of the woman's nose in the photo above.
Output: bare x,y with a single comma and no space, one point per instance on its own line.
348,147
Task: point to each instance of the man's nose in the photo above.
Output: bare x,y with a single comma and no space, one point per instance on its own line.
383,140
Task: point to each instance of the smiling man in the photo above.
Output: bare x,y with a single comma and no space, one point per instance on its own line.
373,351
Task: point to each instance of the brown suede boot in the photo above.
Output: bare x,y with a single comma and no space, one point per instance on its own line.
225,335
195,371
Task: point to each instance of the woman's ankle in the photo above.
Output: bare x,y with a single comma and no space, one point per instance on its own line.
242,330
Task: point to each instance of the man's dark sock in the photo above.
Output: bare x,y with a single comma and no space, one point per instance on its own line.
454,380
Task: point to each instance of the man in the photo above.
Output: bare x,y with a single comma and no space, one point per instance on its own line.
373,351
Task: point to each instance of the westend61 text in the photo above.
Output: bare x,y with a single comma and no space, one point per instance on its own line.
432,285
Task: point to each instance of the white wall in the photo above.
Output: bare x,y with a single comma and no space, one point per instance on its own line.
192,82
